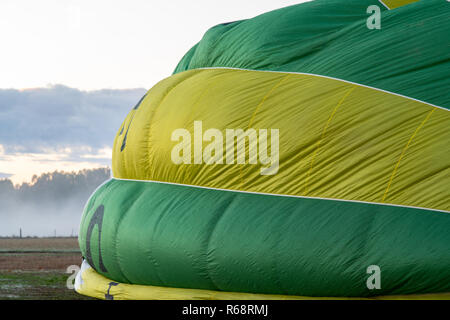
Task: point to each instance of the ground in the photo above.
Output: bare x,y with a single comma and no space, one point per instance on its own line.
35,268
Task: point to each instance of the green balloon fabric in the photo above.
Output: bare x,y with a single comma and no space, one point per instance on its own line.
187,237
409,55
317,226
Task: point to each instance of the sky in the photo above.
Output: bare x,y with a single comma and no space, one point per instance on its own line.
71,70
59,128
107,43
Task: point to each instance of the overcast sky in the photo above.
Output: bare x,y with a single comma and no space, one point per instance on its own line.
57,57
97,44
59,128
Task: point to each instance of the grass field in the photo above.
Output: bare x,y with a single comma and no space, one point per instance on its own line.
35,268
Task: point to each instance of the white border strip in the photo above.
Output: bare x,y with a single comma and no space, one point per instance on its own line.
321,76
278,195
384,5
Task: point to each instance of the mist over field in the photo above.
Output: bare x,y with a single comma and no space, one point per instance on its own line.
51,201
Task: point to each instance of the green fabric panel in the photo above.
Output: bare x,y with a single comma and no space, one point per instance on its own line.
409,55
188,237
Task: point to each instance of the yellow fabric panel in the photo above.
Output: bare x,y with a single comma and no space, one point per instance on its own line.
337,140
97,286
392,4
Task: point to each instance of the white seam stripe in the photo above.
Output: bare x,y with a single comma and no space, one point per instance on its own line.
278,195
384,5
322,76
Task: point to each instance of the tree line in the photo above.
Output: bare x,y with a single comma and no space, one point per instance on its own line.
51,189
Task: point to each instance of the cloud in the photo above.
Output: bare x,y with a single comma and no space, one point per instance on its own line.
59,128
62,119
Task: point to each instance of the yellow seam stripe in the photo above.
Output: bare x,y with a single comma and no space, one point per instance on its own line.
323,135
392,4
97,286
365,137
404,151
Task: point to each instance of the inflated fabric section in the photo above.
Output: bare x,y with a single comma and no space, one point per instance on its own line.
362,176
92,284
408,56
337,139
187,237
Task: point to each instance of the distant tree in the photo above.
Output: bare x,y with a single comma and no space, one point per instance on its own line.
52,189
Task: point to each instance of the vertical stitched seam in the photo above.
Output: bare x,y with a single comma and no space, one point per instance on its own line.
323,135
404,151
